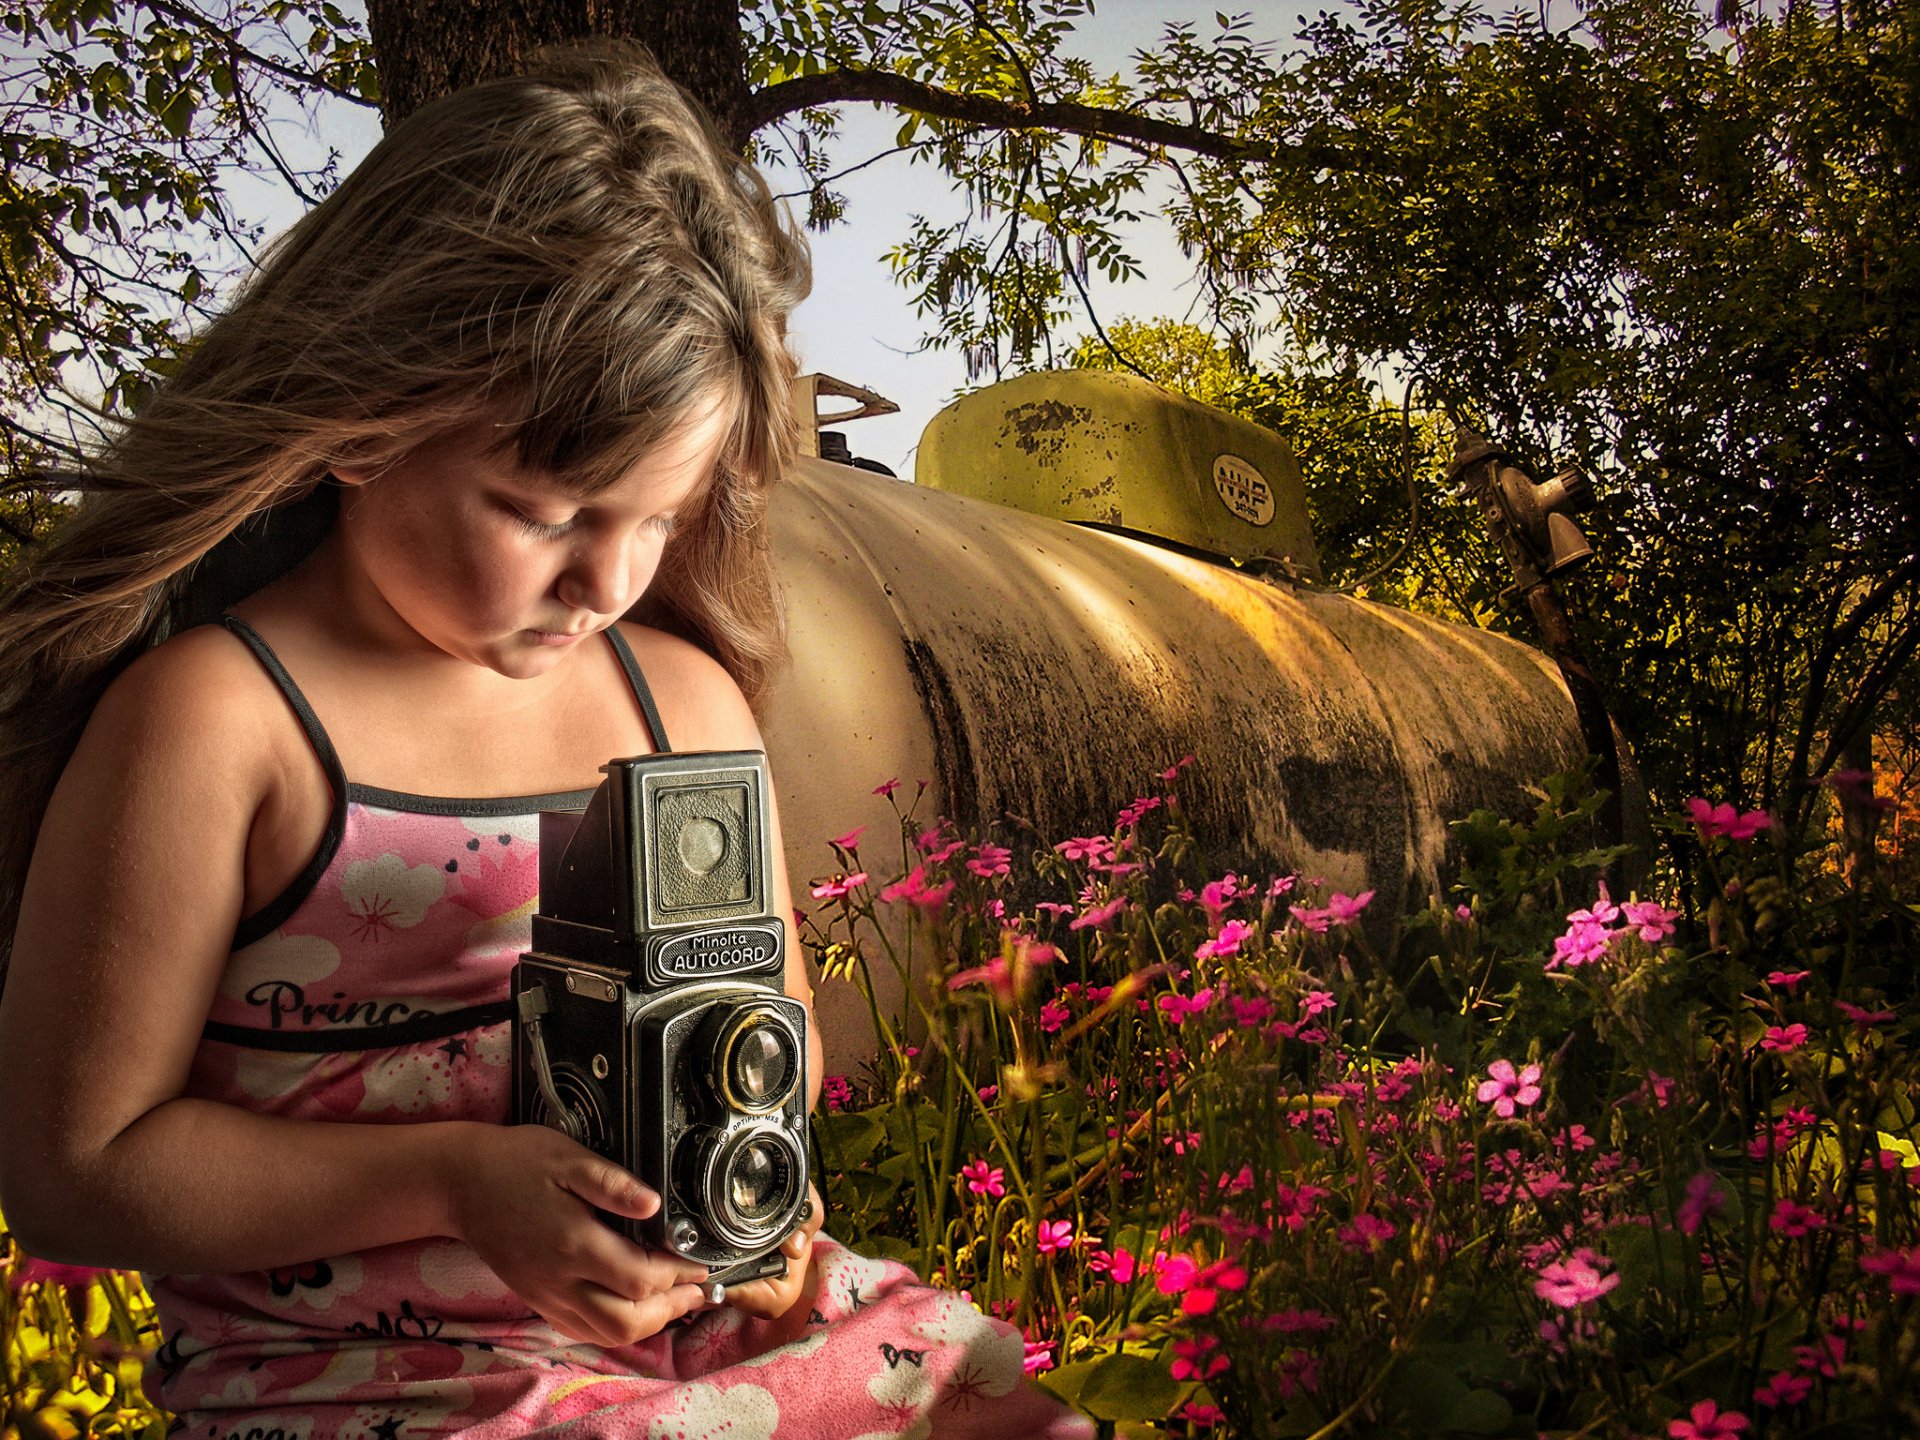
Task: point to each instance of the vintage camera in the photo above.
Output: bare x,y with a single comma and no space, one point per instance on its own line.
649,1021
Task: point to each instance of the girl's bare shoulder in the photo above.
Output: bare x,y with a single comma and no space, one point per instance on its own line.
198,695
700,705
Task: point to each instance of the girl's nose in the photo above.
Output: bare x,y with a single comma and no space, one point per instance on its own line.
605,576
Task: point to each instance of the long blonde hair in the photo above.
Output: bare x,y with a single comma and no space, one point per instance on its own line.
572,254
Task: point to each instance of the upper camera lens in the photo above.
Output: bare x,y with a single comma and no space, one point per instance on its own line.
759,1061
762,1064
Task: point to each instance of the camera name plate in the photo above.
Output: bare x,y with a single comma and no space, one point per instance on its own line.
728,950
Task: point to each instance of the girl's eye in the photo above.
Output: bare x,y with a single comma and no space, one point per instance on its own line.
539,527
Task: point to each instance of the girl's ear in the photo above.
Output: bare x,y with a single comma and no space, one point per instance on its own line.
352,475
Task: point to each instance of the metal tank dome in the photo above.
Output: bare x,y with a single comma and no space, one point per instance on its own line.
1054,614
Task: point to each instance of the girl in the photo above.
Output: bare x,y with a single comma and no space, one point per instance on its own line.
525,366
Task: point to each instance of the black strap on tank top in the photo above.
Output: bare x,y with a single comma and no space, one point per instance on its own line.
641,690
265,921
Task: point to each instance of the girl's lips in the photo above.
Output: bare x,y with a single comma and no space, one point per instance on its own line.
555,637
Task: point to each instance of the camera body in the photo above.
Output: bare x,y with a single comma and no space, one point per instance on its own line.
649,1019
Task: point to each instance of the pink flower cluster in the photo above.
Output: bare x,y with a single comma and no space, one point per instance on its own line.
1712,820
1591,932
1577,1280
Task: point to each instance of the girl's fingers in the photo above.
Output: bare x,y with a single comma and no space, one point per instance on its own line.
618,1320
604,1185
611,1262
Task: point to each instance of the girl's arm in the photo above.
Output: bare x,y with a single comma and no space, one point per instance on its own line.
137,882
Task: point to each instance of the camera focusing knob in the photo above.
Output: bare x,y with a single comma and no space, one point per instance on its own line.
685,1237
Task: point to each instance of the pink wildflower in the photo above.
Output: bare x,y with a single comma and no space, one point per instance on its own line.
1086,847
1053,1015
850,840
1311,918
1505,1089
1784,1039
1723,819
1039,1357
837,1092
915,890
990,860
887,787
1133,813
1367,1232
1345,909
984,1179
1651,920
1706,1421
1179,1008
1194,1358
1585,942
1823,1359
1294,1206
1216,895
1575,1281
1602,912
1783,1391
1786,979
1055,1235
1900,1267
1195,1412
1250,1013
1098,917
839,886
1704,1200
1316,1002
1232,935
1117,1264
1863,1019
1793,1219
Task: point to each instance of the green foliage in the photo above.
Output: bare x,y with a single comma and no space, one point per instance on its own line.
123,131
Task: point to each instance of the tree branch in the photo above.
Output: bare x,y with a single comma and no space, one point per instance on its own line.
1090,121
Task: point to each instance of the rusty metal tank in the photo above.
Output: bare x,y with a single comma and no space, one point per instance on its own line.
1046,661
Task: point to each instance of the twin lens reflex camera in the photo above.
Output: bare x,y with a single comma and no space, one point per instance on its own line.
649,1021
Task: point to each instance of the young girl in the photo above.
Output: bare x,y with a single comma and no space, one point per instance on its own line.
526,365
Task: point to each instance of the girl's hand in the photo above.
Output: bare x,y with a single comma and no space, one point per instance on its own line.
791,1294
523,1196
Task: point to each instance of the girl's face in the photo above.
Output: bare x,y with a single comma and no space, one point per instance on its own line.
488,563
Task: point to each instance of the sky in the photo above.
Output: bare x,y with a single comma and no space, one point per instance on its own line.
859,325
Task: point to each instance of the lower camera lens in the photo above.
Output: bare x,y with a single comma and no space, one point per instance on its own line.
759,1181
746,1183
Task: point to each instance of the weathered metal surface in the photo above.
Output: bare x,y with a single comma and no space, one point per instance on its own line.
1027,666
1099,448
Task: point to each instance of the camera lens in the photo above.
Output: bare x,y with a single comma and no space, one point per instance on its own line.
746,1183
762,1065
759,1181
757,1060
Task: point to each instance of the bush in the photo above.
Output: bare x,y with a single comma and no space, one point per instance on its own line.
1551,1162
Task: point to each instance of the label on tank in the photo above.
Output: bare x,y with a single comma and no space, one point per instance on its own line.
1243,489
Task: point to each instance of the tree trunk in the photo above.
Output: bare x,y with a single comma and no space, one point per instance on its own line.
425,48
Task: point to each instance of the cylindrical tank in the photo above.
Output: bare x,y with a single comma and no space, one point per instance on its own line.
1029,666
